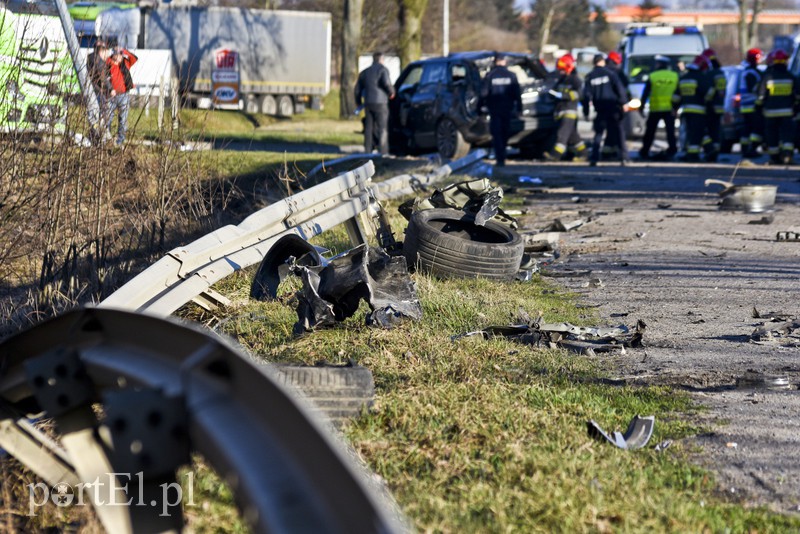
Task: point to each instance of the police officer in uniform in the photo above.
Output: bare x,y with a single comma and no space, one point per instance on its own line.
778,95
716,108
660,88
567,91
603,88
501,94
753,120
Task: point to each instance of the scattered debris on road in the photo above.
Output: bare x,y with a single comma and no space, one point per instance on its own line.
753,379
333,292
788,236
749,198
638,434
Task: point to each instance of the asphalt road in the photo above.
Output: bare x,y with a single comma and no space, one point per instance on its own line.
664,253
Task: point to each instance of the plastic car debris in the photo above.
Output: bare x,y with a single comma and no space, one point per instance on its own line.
788,236
638,434
475,197
275,267
333,293
564,335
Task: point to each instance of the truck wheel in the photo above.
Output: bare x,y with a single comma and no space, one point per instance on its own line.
269,106
250,104
285,106
447,243
449,141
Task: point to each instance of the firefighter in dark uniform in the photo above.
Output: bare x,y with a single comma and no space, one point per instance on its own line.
779,95
604,90
694,94
614,62
501,94
659,89
567,91
753,120
716,108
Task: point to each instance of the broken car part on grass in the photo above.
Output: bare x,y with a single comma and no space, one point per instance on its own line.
333,292
168,391
580,339
478,198
638,434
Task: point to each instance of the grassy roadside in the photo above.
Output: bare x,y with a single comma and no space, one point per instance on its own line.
490,436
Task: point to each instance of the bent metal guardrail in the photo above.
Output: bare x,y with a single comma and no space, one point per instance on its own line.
187,273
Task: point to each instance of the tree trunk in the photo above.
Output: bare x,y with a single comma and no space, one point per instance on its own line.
743,37
351,35
752,30
547,22
410,45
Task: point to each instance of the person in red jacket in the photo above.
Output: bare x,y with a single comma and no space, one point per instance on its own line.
119,65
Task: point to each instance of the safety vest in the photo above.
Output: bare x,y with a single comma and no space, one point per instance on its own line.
747,104
662,86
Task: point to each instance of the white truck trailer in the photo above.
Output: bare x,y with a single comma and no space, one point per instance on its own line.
283,57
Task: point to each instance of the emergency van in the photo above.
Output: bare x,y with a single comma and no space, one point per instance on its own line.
640,44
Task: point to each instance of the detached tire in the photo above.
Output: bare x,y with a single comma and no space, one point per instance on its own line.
448,244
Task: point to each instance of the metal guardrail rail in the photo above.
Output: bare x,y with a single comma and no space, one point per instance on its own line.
169,390
187,273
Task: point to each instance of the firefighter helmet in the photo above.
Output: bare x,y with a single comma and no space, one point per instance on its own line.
701,62
710,53
779,57
615,58
566,63
754,55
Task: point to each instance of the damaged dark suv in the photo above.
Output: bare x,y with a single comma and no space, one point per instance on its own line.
437,107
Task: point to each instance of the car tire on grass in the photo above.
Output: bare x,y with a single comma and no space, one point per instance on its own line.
449,141
448,244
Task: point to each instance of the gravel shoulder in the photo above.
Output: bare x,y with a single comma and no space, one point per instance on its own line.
665,254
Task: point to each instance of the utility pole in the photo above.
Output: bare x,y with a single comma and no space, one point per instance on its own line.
446,28
87,89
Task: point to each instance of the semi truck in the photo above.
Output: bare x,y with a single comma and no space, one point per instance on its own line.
37,75
283,57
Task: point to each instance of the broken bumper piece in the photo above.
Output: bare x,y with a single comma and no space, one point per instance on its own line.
638,434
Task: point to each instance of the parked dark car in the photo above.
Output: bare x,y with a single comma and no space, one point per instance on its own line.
437,107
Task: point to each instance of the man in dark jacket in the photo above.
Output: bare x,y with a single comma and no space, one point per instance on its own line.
603,88
373,91
501,94
716,108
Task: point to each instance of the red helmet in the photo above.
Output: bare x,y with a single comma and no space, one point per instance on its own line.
566,63
710,53
754,55
779,57
615,57
701,62
770,58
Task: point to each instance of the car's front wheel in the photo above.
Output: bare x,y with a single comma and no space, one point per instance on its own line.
449,141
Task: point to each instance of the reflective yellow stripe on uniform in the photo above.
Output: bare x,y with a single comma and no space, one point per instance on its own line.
780,87
780,112
694,108
688,87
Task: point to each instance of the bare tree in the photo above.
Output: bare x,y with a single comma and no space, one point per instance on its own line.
548,9
351,35
748,30
410,45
